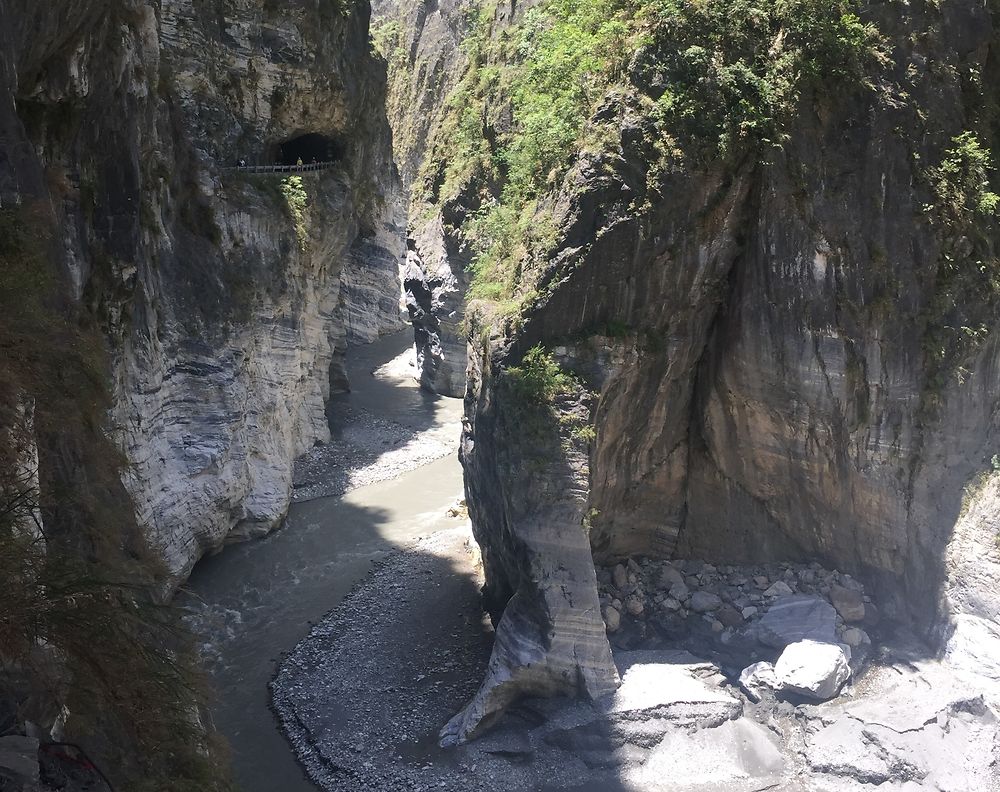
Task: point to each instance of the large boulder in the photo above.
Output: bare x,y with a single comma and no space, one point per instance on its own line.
674,686
813,668
798,618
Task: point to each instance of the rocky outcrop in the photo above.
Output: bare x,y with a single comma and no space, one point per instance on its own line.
550,637
435,285
774,344
193,313
423,46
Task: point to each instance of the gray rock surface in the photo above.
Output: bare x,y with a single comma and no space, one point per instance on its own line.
795,618
435,283
814,669
227,309
550,638
675,686
920,728
777,346
19,758
704,602
423,46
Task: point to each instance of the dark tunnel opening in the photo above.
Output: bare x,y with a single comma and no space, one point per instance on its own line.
307,149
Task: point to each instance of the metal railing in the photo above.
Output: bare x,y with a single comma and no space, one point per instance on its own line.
305,168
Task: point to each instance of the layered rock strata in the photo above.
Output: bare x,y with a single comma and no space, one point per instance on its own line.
228,298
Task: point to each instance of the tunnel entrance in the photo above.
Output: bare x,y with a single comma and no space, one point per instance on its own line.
308,148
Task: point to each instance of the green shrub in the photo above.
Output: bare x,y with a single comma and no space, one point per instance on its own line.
534,387
539,379
960,313
293,190
961,182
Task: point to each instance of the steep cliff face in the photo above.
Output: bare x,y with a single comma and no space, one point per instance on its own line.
217,303
779,287
228,296
422,44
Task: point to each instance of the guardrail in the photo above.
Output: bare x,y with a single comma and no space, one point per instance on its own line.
312,166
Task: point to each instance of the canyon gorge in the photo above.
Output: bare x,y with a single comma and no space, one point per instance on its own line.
544,395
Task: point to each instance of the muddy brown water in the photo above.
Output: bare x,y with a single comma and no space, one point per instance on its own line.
254,601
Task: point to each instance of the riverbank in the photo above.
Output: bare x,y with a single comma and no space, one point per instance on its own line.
383,428
394,661
255,601
363,698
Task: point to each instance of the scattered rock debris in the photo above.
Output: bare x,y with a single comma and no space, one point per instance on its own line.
363,697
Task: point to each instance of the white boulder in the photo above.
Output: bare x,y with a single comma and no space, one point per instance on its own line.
813,668
755,678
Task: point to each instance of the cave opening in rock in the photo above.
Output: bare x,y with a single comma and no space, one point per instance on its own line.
308,148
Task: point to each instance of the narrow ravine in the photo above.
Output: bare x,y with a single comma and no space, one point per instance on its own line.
253,602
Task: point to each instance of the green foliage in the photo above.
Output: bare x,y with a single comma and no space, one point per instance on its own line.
961,182
387,41
959,316
569,52
293,190
328,9
734,71
539,379
24,280
719,76
534,388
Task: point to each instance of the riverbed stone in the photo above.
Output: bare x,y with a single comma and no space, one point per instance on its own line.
778,589
813,668
795,618
704,602
758,677
669,576
729,616
619,576
855,637
848,602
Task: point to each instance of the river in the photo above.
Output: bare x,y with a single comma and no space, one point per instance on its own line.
254,601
